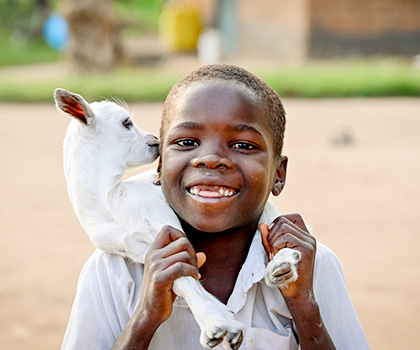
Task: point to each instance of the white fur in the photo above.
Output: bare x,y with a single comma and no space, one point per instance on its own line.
123,217
282,269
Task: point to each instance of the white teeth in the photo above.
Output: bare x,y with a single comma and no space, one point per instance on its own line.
229,192
194,190
222,191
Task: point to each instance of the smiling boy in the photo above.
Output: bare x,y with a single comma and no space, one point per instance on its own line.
221,143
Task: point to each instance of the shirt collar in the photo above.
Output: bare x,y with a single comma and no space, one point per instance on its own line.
253,269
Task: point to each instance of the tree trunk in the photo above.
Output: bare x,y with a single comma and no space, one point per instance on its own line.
92,34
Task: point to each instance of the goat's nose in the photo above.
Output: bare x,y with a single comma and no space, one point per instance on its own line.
152,140
211,161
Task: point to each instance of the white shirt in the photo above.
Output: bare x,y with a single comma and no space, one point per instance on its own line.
109,289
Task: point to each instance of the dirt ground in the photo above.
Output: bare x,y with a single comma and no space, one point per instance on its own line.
354,170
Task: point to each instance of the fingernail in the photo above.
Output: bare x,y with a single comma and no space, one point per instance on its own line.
199,276
271,226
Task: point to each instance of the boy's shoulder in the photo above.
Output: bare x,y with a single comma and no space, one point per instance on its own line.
324,252
328,270
110,269
326,257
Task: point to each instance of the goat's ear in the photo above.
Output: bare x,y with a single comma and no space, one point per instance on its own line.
73,105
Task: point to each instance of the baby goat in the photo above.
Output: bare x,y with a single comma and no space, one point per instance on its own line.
124,217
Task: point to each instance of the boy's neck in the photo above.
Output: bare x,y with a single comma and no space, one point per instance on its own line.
226,252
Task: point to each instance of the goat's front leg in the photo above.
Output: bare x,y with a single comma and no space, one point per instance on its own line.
282,269
216,321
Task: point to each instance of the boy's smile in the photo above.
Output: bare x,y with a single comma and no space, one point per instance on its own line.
211,191
218,165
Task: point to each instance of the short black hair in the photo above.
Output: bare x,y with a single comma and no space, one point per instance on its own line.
269,99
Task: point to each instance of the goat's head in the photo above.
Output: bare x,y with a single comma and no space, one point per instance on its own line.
108,127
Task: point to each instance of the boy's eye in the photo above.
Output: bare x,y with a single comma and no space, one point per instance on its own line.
187,143
244,146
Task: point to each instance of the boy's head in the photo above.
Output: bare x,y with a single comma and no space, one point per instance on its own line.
267,98
221,139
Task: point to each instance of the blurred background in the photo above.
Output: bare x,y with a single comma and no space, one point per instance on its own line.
306,48
348,72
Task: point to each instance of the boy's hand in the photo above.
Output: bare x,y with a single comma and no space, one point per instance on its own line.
290,231
170,256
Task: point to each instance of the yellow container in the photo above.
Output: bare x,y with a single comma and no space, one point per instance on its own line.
180,27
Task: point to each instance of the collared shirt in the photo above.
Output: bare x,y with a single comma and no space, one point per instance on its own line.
109,290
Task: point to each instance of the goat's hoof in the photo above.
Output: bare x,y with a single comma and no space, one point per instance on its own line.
282,270
215,337
230,335
234,340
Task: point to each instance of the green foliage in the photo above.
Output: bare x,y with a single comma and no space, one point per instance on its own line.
128,84
19,53
344,79
14,11
21,24
24,19
143,14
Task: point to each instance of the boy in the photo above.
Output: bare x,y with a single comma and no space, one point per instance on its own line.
221,142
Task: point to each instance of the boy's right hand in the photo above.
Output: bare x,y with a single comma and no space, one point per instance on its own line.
170,256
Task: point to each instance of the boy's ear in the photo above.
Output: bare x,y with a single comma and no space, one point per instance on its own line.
157,175
280,176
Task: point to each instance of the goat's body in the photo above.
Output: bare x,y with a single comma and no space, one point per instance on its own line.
124,217
120,217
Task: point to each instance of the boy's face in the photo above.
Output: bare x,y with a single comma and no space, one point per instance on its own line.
217,164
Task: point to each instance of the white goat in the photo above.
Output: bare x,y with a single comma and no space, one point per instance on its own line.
123,217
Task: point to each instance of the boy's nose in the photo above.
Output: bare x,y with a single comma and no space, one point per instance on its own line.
211,161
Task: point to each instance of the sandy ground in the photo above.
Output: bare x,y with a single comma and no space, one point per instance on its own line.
361,199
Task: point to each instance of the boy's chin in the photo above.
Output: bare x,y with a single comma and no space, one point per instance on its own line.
205,225
214,226
210,228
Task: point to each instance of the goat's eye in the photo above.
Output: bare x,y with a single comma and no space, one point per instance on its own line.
127,123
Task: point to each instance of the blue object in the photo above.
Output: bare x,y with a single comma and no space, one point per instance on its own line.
56,32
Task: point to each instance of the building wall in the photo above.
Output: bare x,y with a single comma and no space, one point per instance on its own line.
363,27
288,30
274,28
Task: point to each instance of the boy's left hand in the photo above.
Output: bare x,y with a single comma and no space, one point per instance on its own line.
290,231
